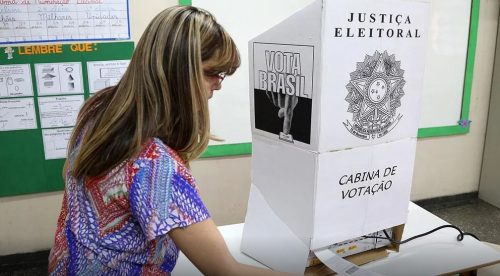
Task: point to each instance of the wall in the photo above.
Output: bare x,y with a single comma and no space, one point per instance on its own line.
444,165
489,186
452,165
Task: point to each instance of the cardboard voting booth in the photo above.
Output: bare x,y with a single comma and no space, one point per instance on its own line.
335,98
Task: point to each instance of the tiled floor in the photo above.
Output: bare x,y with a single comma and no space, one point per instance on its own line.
477,217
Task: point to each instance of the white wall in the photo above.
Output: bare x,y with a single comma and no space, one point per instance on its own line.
444,165
452,165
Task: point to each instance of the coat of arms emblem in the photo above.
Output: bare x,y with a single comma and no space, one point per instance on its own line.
375,92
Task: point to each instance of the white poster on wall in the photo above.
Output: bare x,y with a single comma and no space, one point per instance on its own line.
17,114
59,78
36,21
59,111
55,142
15,80
102,74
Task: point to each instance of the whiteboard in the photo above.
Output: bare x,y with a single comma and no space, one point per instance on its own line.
445,63
447,79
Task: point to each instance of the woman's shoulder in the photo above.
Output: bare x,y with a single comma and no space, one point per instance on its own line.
157,154
155,148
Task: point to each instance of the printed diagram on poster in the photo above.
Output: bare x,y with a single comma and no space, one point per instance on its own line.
283,90
36,21
59,78
375,92
55,142
15,81
60,111
102,74
17,114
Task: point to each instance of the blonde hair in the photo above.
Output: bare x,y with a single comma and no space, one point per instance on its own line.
161,94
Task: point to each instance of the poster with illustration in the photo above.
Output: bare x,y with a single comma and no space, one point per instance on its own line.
283,90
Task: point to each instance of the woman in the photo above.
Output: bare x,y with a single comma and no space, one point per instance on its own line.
130,202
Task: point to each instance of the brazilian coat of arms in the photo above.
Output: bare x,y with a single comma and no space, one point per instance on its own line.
375,92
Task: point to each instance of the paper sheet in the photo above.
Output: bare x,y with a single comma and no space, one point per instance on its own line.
31,20
17,114
341,266
15,80
55,142
105,73
59,78
60,111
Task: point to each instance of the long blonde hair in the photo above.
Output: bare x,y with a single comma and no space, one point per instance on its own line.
160,95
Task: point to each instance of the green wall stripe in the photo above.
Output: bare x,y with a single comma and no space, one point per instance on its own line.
442,131
471,56
185,2
228,150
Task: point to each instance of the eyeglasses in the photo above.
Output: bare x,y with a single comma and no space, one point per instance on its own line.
220,76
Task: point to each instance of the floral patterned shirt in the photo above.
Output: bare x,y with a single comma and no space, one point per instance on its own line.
118,224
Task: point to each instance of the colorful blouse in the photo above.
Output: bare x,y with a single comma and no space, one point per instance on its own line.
118,224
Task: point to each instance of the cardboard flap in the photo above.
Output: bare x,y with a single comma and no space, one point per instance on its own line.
285,176
306,26
269,240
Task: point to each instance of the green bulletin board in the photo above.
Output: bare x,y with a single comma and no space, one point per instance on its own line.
24,168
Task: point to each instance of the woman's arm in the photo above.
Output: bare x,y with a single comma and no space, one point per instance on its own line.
204,246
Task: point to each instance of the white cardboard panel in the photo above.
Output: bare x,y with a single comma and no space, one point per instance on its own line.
362,190
269,240
285,175
375,87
